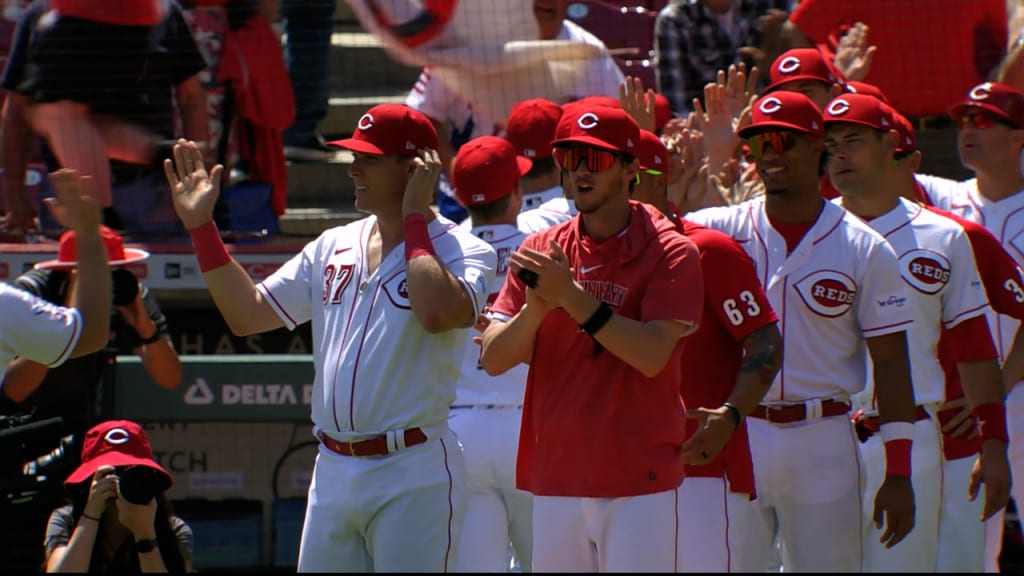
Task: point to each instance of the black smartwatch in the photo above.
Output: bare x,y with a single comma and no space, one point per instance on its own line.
143,546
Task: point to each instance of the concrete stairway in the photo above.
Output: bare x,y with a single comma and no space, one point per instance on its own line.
362,75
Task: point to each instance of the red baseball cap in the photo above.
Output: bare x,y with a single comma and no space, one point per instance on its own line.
859,109
601,127
487,169
786,111
653,154
531,127
997,98
117,443
903,127
117,254
662,111
802,64
391,130
858,87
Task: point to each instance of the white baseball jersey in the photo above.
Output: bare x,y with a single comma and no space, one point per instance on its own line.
438,101
377,368
1004,219
555,211
937,263
35,329
530,202
475,386
839,286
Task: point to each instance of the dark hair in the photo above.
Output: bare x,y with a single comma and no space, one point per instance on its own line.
110,558
490,210
541,166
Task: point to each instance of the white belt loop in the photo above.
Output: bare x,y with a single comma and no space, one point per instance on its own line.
392,438
812,409
400,439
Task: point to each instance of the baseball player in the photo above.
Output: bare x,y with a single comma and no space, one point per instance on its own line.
944,290
390,298
488,409
990,138
842,302
961,536
597,307
728,364
49,334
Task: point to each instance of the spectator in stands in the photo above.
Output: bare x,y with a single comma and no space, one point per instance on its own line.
74,390
167,82
119,520
307,48
694,39
928,56
454,116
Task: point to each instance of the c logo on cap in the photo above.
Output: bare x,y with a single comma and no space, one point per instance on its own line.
117,436
587,121
981,91
789,65
770,105
366,122
838,107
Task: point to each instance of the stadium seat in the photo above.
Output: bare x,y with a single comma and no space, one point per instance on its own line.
627,31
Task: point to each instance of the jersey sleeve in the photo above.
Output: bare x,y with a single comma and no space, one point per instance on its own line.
512,295
474,267
971,341
37,329
1002,277
721,218
431,97
731,287
289,289
881,285
676,289
941,191
964,296
819,18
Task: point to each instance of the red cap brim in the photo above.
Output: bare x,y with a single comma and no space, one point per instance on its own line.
586,140
958,110
525,164
356,145
116,459
797,78
131,255
759,127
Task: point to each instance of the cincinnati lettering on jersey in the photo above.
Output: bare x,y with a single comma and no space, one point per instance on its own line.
925,270
610,292
827,293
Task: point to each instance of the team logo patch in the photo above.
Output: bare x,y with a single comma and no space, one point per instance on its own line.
587,121
827,292
925,270
981,91
365,122
770,105
117,436
397,290
789,65
838,107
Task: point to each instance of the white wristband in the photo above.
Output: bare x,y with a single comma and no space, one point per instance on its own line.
897,431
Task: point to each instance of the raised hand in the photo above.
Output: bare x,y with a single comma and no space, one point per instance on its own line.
423,177
193,190
75,206
740,87
853,54
637,103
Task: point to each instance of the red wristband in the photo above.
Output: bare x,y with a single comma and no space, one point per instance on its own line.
992,421
897,457
209,248
417,238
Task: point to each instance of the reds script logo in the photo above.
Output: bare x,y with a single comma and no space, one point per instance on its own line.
770,105
827,292
925,270
397,290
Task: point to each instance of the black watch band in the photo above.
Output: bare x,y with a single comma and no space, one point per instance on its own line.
143,546
152,339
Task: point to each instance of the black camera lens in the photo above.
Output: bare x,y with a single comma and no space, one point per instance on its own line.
125,286
529,277
140,484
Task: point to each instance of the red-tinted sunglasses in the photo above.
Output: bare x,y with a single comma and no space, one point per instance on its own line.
780,142
597,159
980,121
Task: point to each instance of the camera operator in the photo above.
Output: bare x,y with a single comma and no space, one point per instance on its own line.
73,391
118,521
51,333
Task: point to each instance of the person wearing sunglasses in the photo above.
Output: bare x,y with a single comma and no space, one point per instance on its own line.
990,139
838,286
945,291
597,306
728,365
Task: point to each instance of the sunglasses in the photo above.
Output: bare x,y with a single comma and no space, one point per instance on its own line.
980,121
780,142
597,160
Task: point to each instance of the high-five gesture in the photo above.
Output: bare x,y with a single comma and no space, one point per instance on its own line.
75,205
193,190
637,103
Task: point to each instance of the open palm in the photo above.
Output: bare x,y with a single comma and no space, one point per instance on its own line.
193,190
